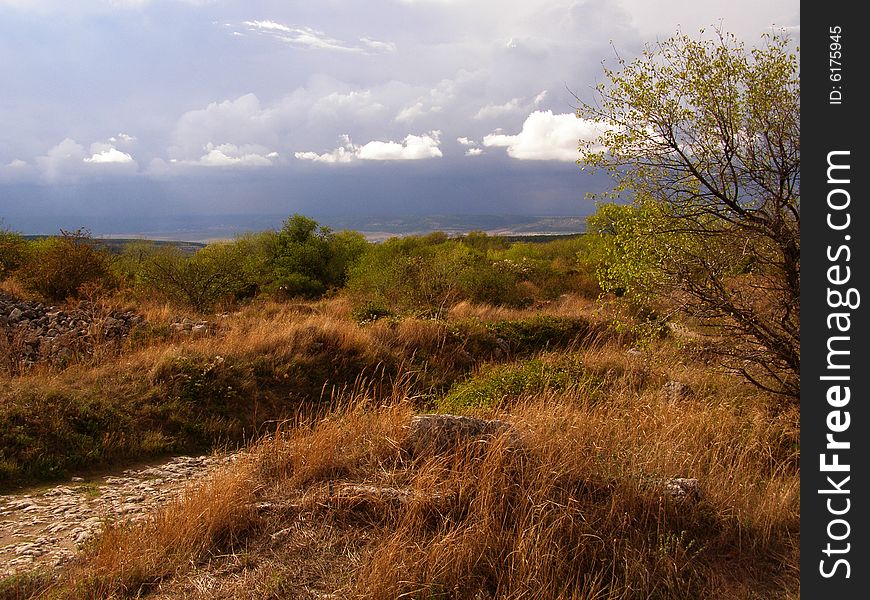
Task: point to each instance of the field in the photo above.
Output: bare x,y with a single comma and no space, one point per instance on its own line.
332,498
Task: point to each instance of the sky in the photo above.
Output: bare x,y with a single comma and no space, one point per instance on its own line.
118,113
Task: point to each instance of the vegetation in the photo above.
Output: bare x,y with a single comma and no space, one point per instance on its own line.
63,267
576,510
322,347
12,251
705,136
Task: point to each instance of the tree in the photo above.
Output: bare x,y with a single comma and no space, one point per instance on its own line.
704,135
309,258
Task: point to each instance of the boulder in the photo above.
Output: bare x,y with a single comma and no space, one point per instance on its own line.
440,432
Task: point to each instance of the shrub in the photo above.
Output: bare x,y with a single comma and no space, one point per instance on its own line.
200,281
497,384
309,259
13,251
58,268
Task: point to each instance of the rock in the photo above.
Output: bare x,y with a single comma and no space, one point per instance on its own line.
47,527
43,334
437,432
676,391
683,489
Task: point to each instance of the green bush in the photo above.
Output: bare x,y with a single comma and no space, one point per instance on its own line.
13,251
497,384
309,259
410,275
58,268
430,274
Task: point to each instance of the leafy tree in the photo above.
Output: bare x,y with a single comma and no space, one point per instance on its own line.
309,258
703,134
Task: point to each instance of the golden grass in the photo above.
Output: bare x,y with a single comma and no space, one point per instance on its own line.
576,511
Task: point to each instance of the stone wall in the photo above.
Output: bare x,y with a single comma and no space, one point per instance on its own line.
32,332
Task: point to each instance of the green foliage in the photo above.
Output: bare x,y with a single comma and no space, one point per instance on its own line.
411,274
430,274
130,263
704,136
495,385
521,336
310,259
58,268
219,273
484,243
200,281
13,251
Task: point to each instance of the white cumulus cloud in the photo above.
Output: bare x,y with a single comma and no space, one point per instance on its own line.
343,154
546,136
109,155
413,147
231,155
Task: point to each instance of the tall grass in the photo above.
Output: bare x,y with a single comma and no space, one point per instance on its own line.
569,504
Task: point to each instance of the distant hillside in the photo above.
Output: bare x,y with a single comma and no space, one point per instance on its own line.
116,245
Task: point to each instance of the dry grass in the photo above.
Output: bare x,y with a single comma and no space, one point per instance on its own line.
575,511
569,305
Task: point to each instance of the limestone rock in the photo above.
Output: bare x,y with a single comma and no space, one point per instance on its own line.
440,432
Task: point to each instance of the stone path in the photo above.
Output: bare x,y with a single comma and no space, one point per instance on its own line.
45,527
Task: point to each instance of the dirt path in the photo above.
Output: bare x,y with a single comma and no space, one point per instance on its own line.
45,526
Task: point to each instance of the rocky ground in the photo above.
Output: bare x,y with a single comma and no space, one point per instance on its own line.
34,332
44,527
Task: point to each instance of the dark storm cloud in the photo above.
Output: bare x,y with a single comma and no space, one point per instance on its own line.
116,107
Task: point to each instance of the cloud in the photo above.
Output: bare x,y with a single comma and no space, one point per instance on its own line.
314,39
514,105
62,161
68,161
231,155
413,147
123,138
497,110
546,136
240,121
16,170
110,155
378,45
465,141
345,153
106,153
474,152
409,113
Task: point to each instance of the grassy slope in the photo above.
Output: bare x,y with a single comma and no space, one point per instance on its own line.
263,364
574,514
